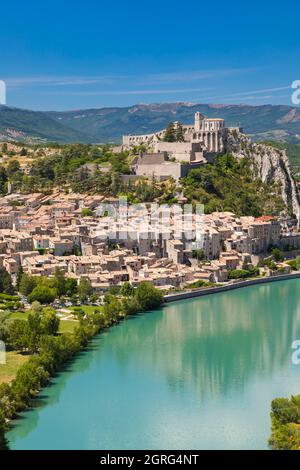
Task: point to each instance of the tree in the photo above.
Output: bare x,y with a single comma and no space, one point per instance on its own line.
170,133
198,254
4,326
36,307
60,282
49,321
6,401
18,334
127,289
71,287
277,254
148,296
84,289
30,378
5,282
285,418
19,277
27,284
86,212
34,331
23,152
179,133
3,429
13,167
43,294
4,148
3,180
113,308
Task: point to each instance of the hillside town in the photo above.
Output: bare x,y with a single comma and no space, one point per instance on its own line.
68,231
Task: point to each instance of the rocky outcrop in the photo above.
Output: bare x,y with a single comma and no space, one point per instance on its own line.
271,164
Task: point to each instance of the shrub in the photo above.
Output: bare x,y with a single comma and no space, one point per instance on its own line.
148,296
42,294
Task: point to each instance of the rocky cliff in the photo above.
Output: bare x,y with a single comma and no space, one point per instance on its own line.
271,164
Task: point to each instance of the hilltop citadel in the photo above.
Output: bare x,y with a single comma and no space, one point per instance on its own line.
201,142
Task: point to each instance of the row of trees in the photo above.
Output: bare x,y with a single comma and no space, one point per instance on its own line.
45,290
243,273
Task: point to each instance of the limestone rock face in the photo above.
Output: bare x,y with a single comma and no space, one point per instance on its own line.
272,165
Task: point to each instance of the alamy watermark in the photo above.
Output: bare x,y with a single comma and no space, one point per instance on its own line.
296,353
2,92
151,221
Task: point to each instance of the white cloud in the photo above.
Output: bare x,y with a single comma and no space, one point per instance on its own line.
192,75
20,82
129,92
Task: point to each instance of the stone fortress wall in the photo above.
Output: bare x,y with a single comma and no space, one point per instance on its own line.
209,132
202,142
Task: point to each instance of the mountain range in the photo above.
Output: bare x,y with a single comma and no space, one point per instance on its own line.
266,122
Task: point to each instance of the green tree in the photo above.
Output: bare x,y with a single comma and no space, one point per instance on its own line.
13,167
3,429
148,296
18,334
30,378
43,294
27,284
60,282
5,282
277,254
23,152
198,254
179,133
71,287
170,133
19,277
3,180
285,418
36,307
127,289
86,212
4,326
34,331
49,321
84,289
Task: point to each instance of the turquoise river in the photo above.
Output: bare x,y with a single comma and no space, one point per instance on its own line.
197,374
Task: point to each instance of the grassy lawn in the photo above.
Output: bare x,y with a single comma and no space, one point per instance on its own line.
67,326
88,308
14,360
19,315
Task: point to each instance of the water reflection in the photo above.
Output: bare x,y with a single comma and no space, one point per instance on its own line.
216,342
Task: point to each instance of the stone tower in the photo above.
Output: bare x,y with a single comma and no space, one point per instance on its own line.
198,121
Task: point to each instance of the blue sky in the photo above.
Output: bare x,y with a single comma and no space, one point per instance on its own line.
73,54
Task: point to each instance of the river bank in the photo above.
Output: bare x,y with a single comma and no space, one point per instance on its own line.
189,294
